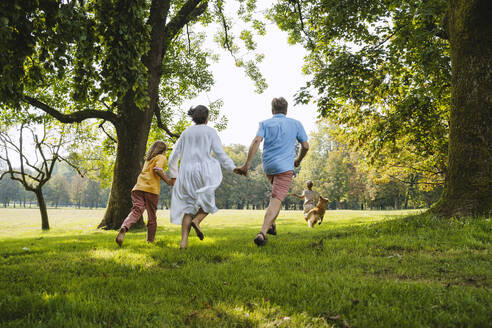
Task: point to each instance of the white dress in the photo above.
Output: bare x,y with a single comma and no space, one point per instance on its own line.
199,173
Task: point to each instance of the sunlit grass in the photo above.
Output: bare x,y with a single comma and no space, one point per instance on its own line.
369,269
27,222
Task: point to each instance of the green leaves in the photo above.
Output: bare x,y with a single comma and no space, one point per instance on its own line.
379,71
125,40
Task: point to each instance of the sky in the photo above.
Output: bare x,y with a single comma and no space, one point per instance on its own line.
282,69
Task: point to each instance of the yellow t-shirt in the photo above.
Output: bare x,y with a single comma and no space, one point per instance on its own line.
148,180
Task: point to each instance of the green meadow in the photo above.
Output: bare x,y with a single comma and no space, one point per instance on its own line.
357,269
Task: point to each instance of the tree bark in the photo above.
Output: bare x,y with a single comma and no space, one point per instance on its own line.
132,132
45,225
468,190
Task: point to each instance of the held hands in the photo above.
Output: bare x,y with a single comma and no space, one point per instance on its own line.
241,170
160,172
297,162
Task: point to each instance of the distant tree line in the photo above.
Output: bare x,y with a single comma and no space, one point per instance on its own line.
343,176
65,188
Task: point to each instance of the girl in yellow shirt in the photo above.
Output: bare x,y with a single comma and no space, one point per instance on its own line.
145,194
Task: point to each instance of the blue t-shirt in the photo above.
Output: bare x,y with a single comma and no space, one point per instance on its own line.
280,134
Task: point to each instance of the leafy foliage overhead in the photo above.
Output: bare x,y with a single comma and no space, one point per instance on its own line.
381,71
88,55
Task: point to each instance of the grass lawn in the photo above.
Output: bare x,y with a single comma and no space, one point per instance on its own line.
358,269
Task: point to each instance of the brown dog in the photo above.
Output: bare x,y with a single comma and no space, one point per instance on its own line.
317,213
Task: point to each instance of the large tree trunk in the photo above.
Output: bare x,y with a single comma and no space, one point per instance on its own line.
468,189
132,131
133,128
45,224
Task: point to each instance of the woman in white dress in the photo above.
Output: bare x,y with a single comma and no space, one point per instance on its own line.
199,174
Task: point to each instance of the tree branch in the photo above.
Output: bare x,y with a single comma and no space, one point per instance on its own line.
418,182
163,126
75,117
101,126
190,10
75,167
417,169
3,174
21,135
189,41
377,46
298,4
227,43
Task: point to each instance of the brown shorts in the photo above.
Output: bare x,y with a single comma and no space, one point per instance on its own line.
280,184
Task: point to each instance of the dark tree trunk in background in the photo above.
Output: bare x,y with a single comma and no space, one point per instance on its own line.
468,190
45,225
132,132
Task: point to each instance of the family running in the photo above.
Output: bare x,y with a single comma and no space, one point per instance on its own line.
194,174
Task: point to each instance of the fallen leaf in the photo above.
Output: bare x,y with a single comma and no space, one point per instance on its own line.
334,317
345,324
207,305
285,318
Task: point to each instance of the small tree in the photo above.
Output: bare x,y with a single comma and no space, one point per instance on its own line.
35,165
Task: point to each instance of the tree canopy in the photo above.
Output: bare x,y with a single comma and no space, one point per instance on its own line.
382,72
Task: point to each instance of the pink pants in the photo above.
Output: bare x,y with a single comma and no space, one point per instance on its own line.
143,200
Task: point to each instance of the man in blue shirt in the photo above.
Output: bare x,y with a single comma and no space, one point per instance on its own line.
280,134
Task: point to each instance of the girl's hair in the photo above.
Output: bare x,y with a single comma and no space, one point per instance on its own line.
158,147
198,114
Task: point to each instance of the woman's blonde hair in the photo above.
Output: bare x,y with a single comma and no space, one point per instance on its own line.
158,147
